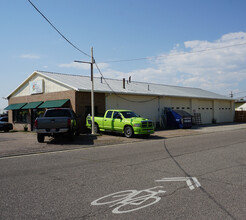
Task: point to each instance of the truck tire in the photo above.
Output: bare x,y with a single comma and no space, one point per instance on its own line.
96,128
40,138
128,132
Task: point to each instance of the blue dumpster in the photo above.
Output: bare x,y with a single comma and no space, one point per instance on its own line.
178,119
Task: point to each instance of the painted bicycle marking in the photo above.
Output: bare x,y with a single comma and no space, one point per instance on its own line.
133,200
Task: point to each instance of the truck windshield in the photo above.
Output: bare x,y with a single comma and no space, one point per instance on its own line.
129,114
58,113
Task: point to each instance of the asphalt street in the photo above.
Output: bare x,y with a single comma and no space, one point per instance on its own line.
200,176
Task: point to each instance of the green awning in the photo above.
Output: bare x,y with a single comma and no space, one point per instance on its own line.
32,105
15,106
54,103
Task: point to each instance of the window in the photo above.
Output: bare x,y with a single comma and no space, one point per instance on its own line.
109,114
129,114
58,113
20,116
117,115
5,118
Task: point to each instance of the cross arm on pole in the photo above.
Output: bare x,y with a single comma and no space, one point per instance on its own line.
92,89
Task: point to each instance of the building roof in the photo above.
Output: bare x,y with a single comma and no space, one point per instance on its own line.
241,107
83,83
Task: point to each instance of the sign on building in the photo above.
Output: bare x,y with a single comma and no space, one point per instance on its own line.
36,87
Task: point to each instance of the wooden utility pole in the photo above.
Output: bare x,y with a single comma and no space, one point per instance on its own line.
92,95
92,91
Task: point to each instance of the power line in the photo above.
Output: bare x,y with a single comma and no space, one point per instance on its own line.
144,101
57,29
172,55
81,52
239,92
129,60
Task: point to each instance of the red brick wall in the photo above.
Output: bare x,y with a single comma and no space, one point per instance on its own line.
40,97
78,102
83,100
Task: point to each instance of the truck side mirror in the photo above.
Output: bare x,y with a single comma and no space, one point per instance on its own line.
119,117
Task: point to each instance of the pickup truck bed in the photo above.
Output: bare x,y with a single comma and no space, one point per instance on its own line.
56,122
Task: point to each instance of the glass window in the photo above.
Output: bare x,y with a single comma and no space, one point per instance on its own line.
109,114
58,113
117,115
20,116
129,114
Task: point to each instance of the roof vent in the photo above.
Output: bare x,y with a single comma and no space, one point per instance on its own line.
130,79
124,83
148,88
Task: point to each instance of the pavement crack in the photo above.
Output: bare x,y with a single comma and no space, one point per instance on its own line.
201,188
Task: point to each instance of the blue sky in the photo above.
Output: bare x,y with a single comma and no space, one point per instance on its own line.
170,33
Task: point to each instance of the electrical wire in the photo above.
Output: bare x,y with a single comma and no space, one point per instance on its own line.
83,53
134,59
172,55
129,60
239,92
57,29
144,101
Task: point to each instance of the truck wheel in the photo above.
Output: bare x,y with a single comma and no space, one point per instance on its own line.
128,132
40,138
96,128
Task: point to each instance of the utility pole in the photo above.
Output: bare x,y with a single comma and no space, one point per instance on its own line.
92,95
231,95
92,90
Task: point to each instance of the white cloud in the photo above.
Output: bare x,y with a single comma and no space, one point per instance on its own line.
201,64
83,66
30,56
217,65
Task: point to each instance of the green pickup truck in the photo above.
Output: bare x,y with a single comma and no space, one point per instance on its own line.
122,121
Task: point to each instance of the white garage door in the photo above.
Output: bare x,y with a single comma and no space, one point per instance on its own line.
205,107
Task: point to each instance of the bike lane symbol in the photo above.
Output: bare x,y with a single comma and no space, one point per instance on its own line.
133,200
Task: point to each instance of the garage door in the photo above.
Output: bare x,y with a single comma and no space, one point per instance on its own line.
205,107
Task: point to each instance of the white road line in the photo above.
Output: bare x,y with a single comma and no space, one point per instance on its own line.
188,181
196,182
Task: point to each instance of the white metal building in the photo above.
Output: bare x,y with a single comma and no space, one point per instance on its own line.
146,99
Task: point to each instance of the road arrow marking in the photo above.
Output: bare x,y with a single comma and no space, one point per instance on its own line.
188,181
